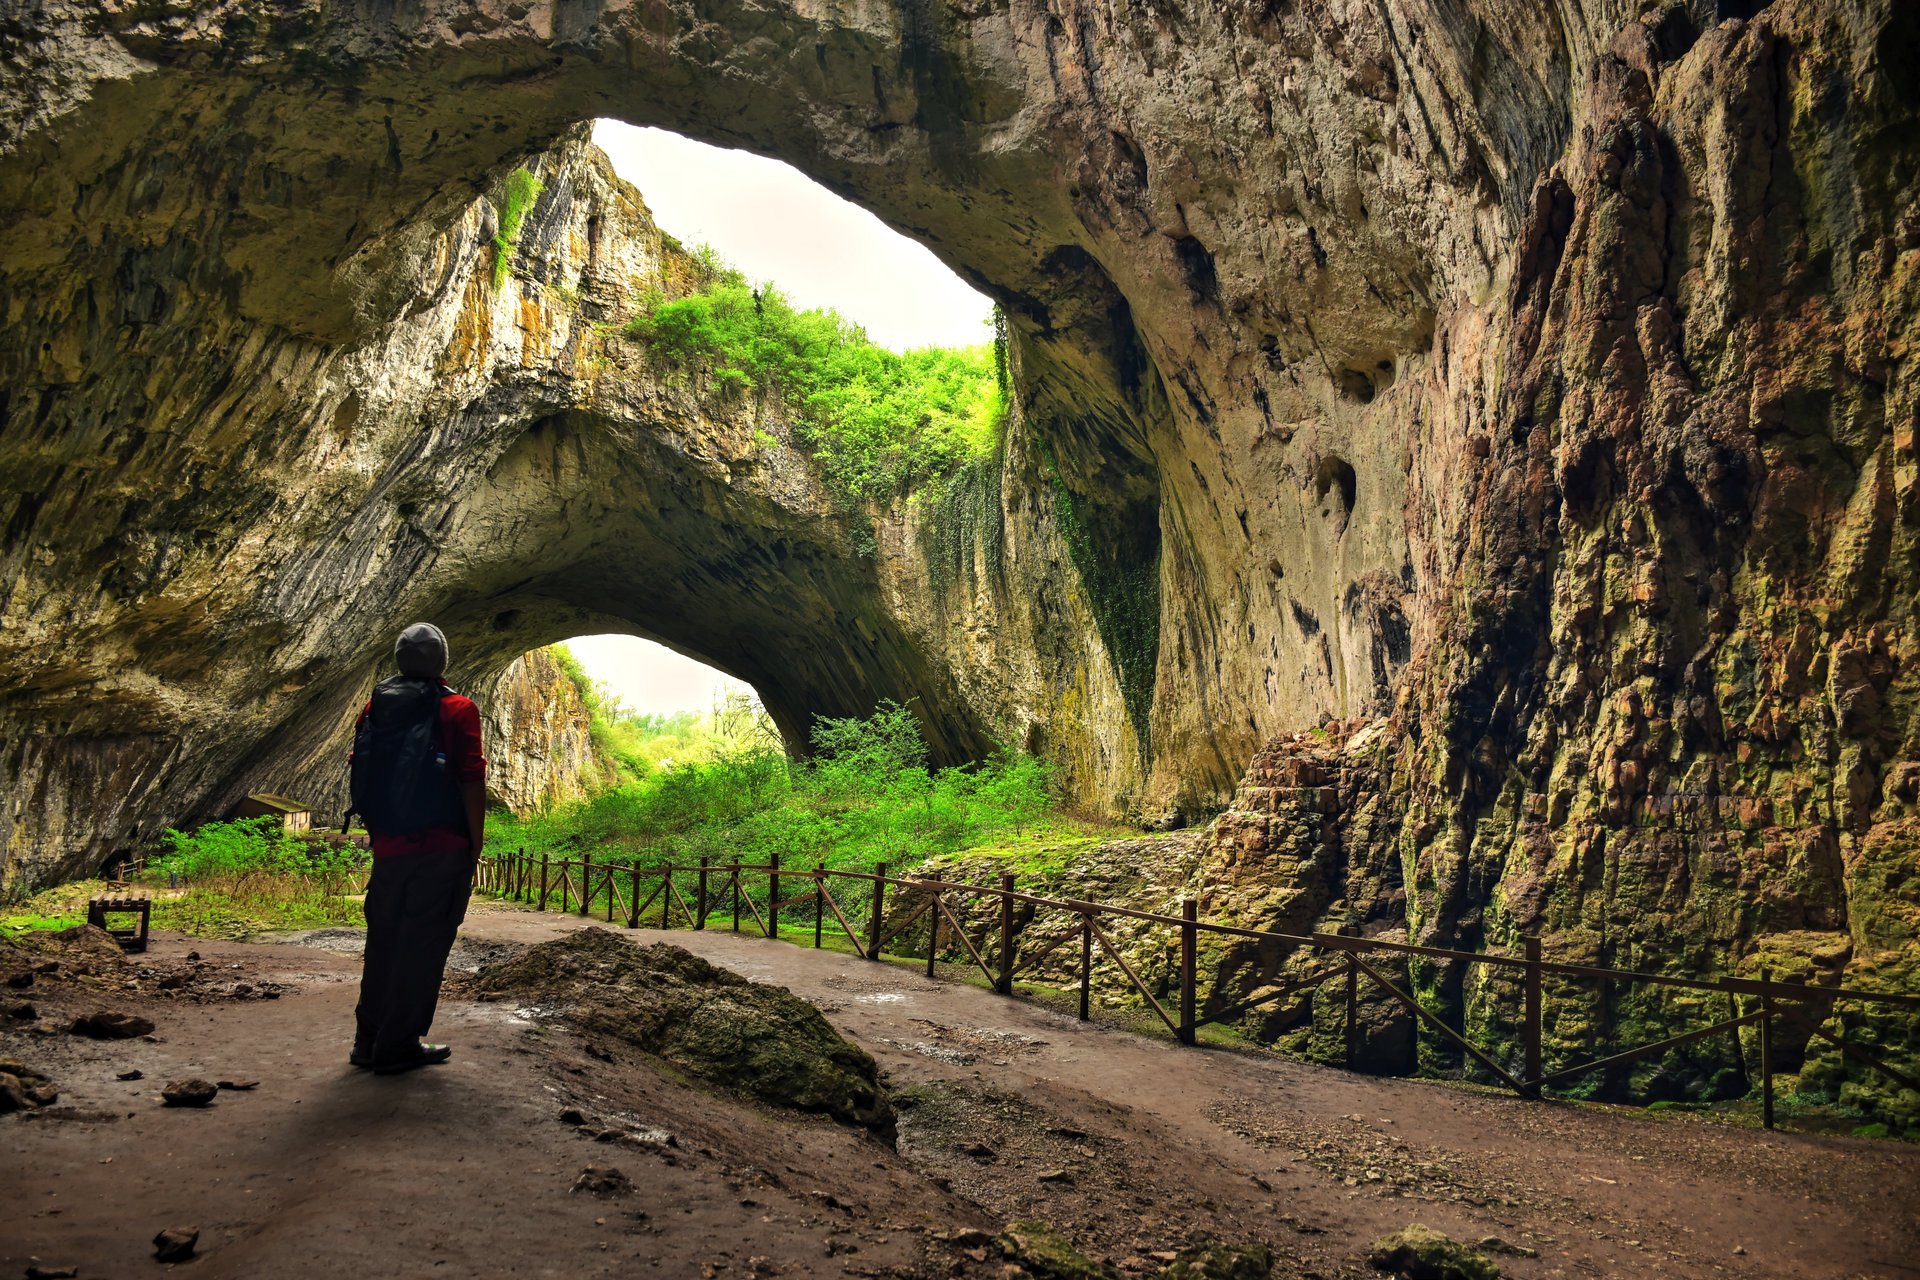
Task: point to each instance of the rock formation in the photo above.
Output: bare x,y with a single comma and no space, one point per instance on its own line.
1535,380
537,734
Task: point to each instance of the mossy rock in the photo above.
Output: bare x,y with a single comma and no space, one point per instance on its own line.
1217,1260
1048,1255
1421,1253
760,1039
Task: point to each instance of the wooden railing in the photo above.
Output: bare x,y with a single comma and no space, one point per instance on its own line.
584,886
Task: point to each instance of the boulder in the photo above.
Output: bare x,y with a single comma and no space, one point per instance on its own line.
1421,1253
1217,1260
109,1025
188,1093
755,1037
1046,1254
175,1244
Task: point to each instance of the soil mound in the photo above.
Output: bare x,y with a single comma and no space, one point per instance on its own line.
760,1039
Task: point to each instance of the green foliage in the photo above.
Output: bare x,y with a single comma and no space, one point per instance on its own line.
878,421
522,190
240,882
866,796
252,847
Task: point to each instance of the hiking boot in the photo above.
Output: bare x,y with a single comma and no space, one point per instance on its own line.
361,1056
423,1055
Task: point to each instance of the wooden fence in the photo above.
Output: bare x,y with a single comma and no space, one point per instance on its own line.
585,887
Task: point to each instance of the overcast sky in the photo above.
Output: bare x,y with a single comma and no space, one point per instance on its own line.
772,223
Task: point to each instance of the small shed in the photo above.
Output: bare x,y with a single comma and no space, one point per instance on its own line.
293,815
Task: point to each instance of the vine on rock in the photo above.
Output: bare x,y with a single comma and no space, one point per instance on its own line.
522,190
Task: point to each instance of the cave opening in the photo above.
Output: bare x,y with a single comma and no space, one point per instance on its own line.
688,592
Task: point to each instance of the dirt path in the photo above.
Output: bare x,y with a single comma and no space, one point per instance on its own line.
1132,1146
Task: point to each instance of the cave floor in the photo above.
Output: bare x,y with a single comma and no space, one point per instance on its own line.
466,1169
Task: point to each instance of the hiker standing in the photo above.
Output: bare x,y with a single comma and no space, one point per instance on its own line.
419,781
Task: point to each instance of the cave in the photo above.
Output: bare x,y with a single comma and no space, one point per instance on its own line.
276,377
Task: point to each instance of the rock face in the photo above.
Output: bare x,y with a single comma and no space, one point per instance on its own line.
537,734
1536,381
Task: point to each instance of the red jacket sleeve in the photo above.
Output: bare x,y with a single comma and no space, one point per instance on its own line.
460,731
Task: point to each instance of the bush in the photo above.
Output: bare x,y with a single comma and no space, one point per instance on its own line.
878,421
867,796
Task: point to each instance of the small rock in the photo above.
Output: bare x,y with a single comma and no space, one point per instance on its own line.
22,1009
1739,1250
20,981
1494,1244
174,981
966,1238
193,955
1421,1253
1061,1176
573,1116
981,1151
37,1272
188,1093
13,1095
240,1086
602,1180
135,1074
108,1025
175,1244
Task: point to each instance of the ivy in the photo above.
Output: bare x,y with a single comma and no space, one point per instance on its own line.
1125,593
964,512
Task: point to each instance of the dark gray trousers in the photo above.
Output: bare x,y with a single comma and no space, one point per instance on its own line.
415,904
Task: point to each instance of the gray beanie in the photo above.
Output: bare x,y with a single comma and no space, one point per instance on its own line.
421,650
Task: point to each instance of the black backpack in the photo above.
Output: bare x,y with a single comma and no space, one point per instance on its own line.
401,782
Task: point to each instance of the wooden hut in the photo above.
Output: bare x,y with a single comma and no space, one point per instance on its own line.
293,815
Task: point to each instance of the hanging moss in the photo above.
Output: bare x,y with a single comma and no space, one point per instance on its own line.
1125,591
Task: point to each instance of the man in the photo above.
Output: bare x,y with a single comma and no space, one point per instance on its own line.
419,781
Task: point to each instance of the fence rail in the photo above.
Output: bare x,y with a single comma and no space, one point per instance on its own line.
582,885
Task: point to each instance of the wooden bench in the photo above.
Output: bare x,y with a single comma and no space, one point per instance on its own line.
132,938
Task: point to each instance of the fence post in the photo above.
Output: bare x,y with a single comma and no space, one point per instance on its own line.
933,929
700,897
773,894
586,882
607,874
1766,1052
1086,962
1353,1010
875,920
1004,984
544,856
666,893
1532,1029
736,895
819,899
566,887
633,893
1189,946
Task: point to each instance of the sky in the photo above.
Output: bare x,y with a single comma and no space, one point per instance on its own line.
775,224
768,220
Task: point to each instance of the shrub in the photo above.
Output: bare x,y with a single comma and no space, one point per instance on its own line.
878,421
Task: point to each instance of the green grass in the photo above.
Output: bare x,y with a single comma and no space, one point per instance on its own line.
879,422
226,879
